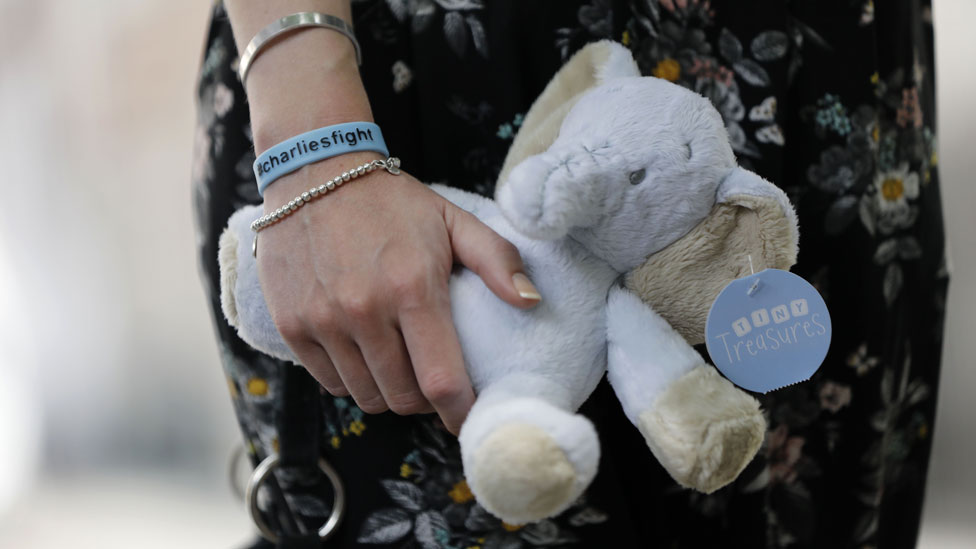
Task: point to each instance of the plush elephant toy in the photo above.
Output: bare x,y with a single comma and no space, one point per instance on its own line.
624,198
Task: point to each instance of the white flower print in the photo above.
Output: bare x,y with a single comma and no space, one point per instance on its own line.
202,168
894,189
223,99
765,113
402,76
834,396
861,361
885,208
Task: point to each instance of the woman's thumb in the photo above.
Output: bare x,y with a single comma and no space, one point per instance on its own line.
491,257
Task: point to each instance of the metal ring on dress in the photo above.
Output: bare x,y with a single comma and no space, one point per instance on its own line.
261,473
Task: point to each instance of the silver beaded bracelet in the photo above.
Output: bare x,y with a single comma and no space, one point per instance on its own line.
391,165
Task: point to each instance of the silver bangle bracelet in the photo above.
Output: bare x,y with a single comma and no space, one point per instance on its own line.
391,165
290,23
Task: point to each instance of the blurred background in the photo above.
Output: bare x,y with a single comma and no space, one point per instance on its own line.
115,422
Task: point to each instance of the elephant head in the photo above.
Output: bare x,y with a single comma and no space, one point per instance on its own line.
635,166
640,172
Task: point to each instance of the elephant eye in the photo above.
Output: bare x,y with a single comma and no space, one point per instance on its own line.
688,149
637,177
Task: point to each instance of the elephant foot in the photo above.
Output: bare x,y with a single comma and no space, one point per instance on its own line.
703,429
525,470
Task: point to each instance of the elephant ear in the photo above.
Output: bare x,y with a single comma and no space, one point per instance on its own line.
591,66
751,217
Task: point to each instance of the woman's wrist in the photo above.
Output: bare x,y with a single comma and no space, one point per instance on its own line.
302,80
306,81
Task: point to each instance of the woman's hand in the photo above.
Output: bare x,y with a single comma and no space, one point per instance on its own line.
357,284
357,281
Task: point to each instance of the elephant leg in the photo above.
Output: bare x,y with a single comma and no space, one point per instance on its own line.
526,455
702,428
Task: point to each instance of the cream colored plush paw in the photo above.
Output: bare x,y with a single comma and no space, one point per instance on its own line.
522,475
227,260
703,429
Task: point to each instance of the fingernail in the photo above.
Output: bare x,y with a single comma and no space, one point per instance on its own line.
525,288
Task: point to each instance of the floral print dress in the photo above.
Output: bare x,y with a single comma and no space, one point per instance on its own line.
830,99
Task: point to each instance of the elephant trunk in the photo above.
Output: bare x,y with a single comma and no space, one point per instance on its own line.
548,194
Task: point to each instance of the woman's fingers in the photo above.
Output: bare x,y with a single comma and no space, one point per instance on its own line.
316,360
437,362
356,377
491,257
297,332
387,360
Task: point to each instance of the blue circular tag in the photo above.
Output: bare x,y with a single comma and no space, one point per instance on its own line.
768,330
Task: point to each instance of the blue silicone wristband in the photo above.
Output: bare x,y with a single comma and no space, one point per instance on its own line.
316,145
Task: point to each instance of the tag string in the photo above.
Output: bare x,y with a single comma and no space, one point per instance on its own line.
756,284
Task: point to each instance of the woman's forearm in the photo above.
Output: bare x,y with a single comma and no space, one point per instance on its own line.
303,80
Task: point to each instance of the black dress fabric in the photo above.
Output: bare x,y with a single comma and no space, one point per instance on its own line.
830,99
